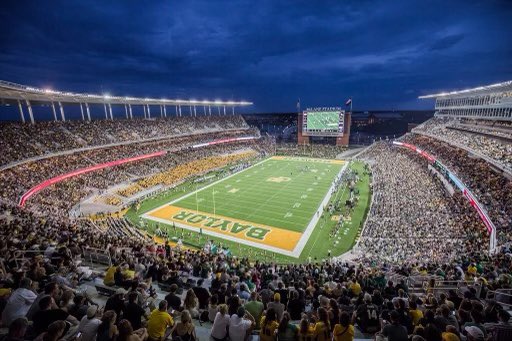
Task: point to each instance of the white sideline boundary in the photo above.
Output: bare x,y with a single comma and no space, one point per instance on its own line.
316,217
299,247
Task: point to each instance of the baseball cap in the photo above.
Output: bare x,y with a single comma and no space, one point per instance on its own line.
91,311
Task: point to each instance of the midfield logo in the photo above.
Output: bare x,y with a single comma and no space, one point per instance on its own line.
225,225
278,179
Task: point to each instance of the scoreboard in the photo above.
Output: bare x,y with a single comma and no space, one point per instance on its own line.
323,122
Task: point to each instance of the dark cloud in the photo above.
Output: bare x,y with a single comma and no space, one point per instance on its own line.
447,42
383,54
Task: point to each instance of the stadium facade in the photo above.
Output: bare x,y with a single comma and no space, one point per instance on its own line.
25,97
490,102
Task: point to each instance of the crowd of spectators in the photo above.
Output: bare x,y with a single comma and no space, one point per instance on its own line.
492,141
184,169
34,172
293,302
20,141
311,150
412,217
492,188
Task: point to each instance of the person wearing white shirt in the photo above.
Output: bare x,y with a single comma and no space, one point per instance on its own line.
19,302
220,324
89,324
240,324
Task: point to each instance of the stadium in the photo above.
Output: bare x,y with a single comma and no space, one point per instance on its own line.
146,217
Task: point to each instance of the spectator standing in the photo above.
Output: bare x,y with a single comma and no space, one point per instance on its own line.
366,316
296,306
286,330
322,327
255,308
268,325
277,306
344,330
241,324
395,331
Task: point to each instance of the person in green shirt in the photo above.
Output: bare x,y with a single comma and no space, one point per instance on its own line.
255,308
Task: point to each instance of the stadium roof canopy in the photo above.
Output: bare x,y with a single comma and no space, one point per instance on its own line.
11,93
478,91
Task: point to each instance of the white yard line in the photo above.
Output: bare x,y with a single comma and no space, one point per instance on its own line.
335,198
270,198
249,189
205,187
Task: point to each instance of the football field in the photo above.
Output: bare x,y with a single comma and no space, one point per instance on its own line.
273,205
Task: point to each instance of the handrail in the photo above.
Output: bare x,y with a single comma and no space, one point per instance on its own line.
499,294
96,251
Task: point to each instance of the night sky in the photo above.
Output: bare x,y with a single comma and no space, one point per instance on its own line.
382,53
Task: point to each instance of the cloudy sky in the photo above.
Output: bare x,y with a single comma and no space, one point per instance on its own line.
382,53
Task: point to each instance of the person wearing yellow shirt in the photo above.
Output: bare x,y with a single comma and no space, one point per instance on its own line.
109,276
415,314
322,329
128,274
158,322
472,269
306,332
343,331
355,287
269,326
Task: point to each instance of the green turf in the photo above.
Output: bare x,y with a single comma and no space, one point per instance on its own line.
318,244
323,120
251,196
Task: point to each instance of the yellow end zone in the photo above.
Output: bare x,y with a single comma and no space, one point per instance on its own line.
230,228
298,158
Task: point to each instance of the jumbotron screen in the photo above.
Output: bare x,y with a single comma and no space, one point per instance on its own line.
323,122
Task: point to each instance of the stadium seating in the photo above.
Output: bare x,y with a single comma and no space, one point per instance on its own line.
19,142
421,261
